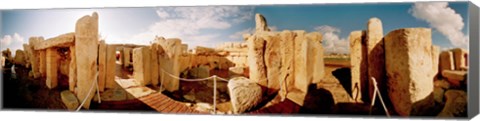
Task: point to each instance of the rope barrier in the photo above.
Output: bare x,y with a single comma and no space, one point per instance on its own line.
90,91
377,92
215,77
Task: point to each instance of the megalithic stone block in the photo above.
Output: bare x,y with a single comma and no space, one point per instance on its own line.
52,61
256,51
358,62
141,65
273,61
127,56
287,41
446,61
102,54
460,57
315,63
154,63
170,64
375,54
43,62
86,45
301,82
72,73
409,68
110,66
35,56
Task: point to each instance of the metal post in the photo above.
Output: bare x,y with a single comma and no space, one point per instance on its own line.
214,94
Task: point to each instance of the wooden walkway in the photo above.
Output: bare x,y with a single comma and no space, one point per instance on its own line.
164,104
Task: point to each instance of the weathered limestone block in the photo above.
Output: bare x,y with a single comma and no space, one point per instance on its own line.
154,62
72,73
52,67
199,72
199,50
64,40
141,65
64,62
315,63
375,54
27,50
86,45
273,61
69,100
455,105
110,66
409,67
287,40
35,55
460,57
19,58
261,23
102,54
245,94
127,57
43,63
446,61
455,78
358,62
256,47
169,60
300,73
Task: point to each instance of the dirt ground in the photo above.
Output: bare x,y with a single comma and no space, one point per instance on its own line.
23,93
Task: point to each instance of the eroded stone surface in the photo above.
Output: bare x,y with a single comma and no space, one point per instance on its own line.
72,73
455,78
102,66
409,67
34,56
460,57
141,65
446,61
86,45
244,94
64,40
260,23
169,59
455,105
69,99
257,66
358,62
375,54
52,67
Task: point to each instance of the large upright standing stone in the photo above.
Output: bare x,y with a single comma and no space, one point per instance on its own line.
35,56
256,51
170,65
28,52
52,60
260,23
435,59
110,66
460,57
127,53
102,48
301,82
43,63
315,63
287,40
358,62
273,61
375,54
142,65
446,61
72,73
86,45
409,68
154,62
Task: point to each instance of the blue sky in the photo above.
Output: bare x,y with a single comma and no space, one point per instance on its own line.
212,25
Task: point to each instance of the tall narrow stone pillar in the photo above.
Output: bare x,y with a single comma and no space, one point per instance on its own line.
358,62
72,73
102,54
376,54
52,61
86,45
110,66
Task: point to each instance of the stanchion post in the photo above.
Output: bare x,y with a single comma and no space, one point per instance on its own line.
214,94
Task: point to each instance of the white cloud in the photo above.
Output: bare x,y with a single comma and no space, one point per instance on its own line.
239,35
13,42
187,23
332,42
442,18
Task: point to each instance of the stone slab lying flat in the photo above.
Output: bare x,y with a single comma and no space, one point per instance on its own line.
138,92
63,40
69,99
